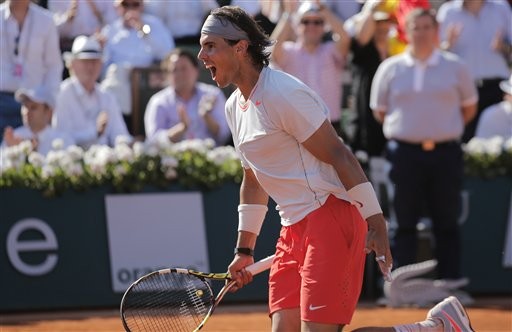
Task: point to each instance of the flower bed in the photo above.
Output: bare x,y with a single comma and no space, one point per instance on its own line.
128,168
488,158
191,163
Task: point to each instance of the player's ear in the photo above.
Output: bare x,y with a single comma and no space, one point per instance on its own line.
241,46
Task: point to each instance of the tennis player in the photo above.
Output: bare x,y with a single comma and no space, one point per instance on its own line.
329,212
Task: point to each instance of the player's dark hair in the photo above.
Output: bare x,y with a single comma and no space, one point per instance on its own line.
259,41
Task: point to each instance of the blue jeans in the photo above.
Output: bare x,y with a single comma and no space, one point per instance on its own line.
10,112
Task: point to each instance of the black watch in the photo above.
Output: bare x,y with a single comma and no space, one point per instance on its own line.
244,251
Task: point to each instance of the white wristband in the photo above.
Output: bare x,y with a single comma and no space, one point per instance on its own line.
364,198
250,217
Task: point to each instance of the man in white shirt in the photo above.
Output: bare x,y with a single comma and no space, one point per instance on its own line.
29,53
424,97
496,120
85,110
36,112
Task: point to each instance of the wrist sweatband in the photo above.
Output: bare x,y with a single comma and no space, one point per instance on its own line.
250,217
364,198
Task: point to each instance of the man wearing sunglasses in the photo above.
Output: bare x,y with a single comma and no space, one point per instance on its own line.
316,62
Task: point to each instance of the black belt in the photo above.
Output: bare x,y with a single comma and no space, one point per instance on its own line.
486,81
429,145
9,93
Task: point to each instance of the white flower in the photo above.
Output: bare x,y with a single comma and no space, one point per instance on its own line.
475,146
75,152
138,149
47,171
222,154
123,140
26,147
36,159
124,153
199,145
151,150
74,169
507,146
106,155
58,144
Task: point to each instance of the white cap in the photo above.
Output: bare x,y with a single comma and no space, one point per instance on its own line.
506,86
39,95
84,48
308,8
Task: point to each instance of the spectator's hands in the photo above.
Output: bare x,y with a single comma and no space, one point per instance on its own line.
452,35
72,10
183,115
497,42
238,272
371,5
9,138
101,38
95,11
101,123
290,6
378,242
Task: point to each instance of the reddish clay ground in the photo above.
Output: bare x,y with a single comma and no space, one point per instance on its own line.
487,315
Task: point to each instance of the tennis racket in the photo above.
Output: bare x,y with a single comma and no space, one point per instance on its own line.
176,299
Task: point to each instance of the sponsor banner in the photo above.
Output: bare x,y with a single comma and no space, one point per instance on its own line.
151,231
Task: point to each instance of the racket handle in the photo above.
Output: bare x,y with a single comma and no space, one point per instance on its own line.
261,265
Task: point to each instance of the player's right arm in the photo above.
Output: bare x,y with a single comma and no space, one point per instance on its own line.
252,209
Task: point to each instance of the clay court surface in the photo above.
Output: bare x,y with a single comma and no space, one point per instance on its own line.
487,315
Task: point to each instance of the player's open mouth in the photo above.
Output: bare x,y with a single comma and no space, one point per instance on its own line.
213,71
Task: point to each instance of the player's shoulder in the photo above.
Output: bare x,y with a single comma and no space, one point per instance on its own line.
278,84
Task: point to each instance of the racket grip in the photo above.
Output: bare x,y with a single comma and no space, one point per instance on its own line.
261,265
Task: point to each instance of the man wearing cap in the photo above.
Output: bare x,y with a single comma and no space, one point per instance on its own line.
29,53
496,120
317,63
36,112
85,110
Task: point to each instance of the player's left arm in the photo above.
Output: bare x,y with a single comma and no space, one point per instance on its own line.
325,145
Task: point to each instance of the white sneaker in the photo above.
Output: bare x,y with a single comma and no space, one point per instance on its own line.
452,314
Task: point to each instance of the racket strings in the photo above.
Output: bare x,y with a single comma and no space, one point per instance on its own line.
167,302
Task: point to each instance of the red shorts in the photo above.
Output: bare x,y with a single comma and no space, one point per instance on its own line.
319,264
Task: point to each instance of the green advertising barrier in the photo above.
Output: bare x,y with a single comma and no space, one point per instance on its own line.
55,250
483,235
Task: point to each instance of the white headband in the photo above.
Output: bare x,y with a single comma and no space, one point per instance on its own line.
224,28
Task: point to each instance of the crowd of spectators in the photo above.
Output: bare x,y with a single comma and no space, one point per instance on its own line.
89,100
